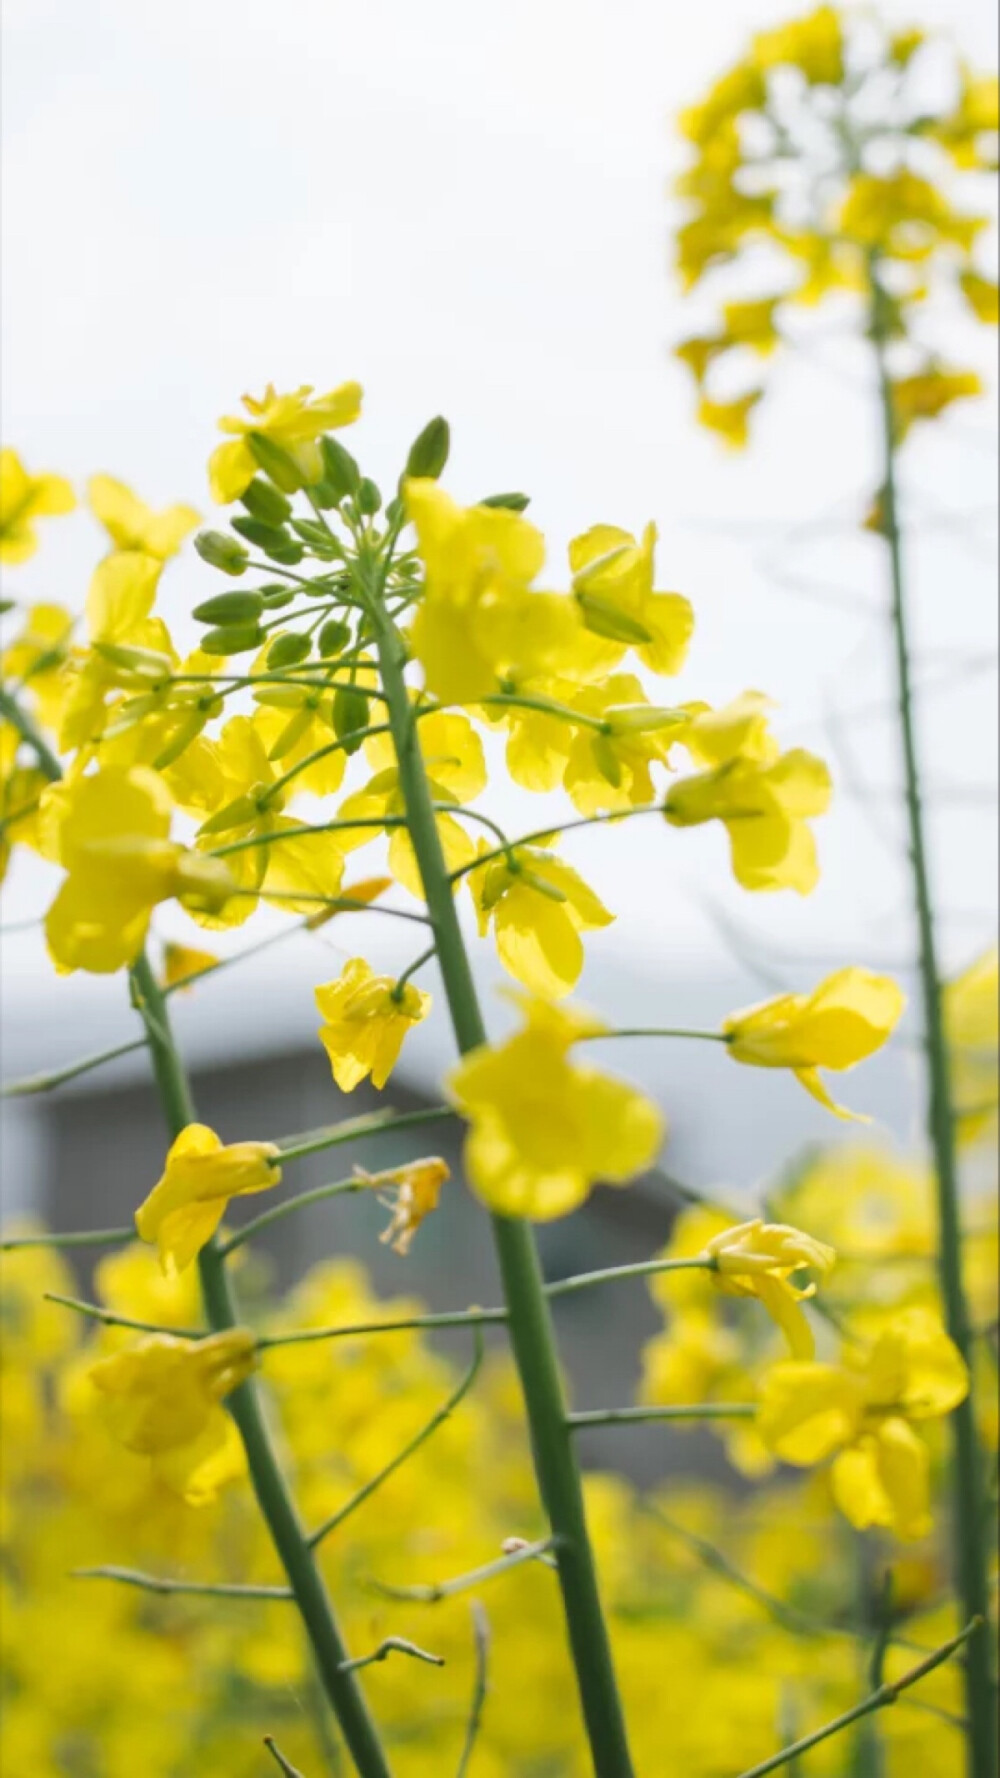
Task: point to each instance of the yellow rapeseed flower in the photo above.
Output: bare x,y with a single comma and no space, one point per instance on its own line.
161,1399
456,769
23,499
972,1023
415,1189
761,1259
765,807
539,906
846,1019
864,1411
112,838
132,525
366,1018
925,396
814,44
543,1131
200,1175
294,421
183,963
613,586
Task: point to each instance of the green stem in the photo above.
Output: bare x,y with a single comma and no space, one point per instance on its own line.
968,1508
12,712
530,1322
700,1410
269,1485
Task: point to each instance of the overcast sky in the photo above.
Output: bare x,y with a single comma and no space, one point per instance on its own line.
465,206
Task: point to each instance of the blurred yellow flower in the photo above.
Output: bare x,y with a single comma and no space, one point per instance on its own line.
864,1412
543,1131
111,837
132,525
416,1191
366,1018
765,808
761,1259
182,963
160,1398
814,44
293,421
188,1201
926,396
23,499
971,1006
846,1019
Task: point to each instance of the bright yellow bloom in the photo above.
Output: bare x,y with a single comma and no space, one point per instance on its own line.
182,963
112,838
730,419
982,295
846,1019
161,1398
761,1259
22,787
478,618
293,421
416,1192
741,89
539,906
613,586
133,525
865,1412
366,1018
737,730
925,396
456,769
23,499
752,324
611,768
814,44
129,646
972,1023
35,658
543,1131
765,808
905,216
188,1201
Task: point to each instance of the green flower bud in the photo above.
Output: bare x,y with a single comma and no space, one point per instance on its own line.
605,618
232,639
607,761
369,498
221,551
264,501
642,719
276,597
278,465
341,475
141,663
429,450
334,636
350,713
508,502
230,608
288,651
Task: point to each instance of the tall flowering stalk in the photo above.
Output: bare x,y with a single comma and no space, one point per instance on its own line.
382,639
832,143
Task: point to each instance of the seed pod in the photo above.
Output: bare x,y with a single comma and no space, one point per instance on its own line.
429,450
341,475
264,501
232,639
334,636
230,608
507,502
350,713
221,551
289,650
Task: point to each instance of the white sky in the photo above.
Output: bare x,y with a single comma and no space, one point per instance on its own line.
465,207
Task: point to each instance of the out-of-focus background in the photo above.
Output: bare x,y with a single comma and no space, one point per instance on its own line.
468,209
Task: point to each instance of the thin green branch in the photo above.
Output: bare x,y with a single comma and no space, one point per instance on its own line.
540,834
705,1410
338,1188
412,968
158,1583
392,1645
878,1700
44,1083
108,1318
285,1766
480,1686
79,1238
447,1589
450,1318
437,1419
375,1123
29,732
658,1031
644,1268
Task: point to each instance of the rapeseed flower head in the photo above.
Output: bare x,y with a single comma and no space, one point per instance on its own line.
200,1175
132,525
538,906
765,808
972,1024
613,587
112,838
366,1018
295,422
762,1259
161,1399
456,770
863,1414
842,1022
23,499
542,1130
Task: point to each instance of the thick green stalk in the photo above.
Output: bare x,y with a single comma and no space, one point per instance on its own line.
269,1485
968,1474
531,1330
